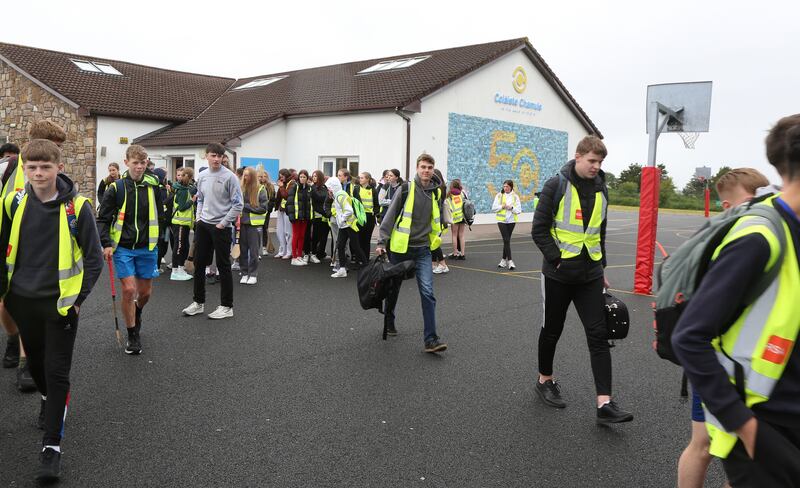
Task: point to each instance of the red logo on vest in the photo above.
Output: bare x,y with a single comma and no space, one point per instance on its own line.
578,214
8,251
777,350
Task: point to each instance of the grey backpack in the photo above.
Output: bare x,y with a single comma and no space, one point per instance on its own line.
680,274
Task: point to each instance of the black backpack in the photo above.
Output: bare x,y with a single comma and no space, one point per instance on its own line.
376,279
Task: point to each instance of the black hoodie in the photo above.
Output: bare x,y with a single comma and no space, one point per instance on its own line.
580,269
35,272
135,227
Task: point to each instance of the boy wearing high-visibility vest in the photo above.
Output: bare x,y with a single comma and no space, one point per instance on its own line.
128,221
742,358
412,227
53,260
182,221
569,227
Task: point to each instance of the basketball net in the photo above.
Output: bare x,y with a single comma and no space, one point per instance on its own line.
689,138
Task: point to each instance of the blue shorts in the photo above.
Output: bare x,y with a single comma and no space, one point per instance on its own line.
142,263
697,408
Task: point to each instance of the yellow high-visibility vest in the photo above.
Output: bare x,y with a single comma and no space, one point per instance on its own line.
366,199
503,212
257,219
398,241
16,182
182,217
763,336
152,219
342,197
568,229
70,256
456,203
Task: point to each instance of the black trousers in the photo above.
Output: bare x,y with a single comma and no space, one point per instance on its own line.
365,234
49,340
180,244
348,234
163,242
506,230
213,242
319,237
265,233
776,463
589,302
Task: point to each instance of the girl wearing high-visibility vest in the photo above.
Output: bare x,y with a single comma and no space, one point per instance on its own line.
264,181
298,209
283,229
319,223
455,202
368,194
391,182
507,207
253,217
182,221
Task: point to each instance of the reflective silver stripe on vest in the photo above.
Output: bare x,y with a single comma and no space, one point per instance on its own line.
569,247
406,215
77,268
403,230
66,302
182,219
595,249
570,227
712,420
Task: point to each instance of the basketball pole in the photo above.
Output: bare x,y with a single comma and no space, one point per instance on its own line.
648,200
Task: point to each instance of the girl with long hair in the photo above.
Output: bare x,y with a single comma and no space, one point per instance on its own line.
319,223
507,206
455,203
368,194
298,209
253,216
113,175
391,182
264,181
284,227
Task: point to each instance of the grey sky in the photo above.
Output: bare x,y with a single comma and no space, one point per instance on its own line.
606,53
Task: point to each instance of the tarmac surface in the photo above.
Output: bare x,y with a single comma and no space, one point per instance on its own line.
299,390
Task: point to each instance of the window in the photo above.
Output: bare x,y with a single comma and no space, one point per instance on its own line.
331,165
96,67
327,168
394,64
260,82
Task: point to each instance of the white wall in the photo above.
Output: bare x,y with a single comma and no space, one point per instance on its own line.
109,130
378,139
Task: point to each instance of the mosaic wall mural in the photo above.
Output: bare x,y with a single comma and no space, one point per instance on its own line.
485,152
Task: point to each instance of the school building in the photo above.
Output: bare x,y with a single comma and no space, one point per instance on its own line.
487,113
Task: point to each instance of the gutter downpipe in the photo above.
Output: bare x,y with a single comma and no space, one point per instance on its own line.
408,140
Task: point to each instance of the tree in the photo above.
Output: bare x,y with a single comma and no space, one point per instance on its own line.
694,188
611,181
715,179
666,192
633,174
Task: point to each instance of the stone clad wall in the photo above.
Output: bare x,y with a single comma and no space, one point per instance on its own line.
22,102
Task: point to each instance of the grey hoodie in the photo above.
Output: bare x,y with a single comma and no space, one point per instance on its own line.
423,206
35,273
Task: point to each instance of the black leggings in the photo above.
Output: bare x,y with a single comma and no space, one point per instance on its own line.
49,340
319,237
345,234
180,244
365,234
506,230
589,302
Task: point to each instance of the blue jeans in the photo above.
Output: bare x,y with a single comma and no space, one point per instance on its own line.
422,258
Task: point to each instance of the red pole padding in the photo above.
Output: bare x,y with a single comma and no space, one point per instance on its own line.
648,224
708,200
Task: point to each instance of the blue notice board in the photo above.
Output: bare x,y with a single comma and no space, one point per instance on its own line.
270,165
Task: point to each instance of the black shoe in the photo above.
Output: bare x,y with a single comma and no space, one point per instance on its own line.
435,346
25,382
461,257
49,465
134,344
41,416
550,393
391,330
610,413
11,356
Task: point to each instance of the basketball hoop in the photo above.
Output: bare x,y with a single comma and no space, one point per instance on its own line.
689,138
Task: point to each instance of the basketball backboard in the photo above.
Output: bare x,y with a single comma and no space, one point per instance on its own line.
694,98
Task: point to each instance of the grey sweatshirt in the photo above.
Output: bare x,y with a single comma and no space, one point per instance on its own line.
219,196
35,273
424,198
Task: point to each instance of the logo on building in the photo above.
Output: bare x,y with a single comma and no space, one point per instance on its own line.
519,79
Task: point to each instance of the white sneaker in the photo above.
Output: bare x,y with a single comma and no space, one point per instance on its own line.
297,262
180,274
511,264
243,281
235,265
194,309
184,274
445,269
503,264
278,256
437,269
314,259
252,280
306,258
287,256
175,275
221,313
340,273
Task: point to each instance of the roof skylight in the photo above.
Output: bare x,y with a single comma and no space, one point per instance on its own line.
96,67
394,64
260,82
